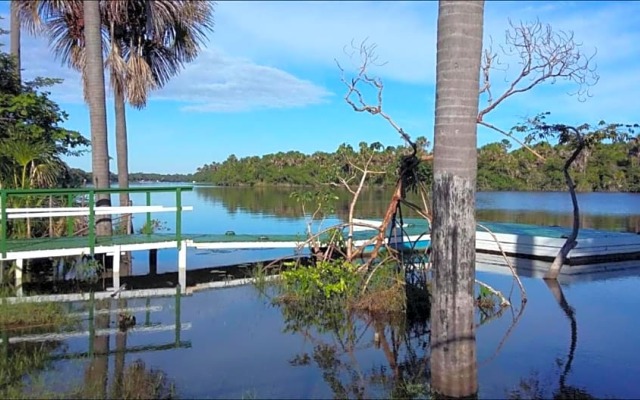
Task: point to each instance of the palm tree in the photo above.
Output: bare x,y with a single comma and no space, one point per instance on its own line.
453,346
93,74
14,29
146,43
150,42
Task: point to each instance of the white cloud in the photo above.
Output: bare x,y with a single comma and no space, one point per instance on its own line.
257,45
215,82
219,83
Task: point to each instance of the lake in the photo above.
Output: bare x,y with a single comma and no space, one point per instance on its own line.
236,346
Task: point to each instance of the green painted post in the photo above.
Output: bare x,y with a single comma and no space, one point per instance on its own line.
178,327
92,328
92,221
69,219
148,214
178,216
3,216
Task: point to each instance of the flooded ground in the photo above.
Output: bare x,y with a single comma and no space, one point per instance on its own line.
573,341
234,345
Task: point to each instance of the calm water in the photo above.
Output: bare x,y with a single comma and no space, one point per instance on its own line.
236,346
272,211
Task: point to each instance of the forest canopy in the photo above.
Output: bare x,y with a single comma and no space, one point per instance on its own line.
613,166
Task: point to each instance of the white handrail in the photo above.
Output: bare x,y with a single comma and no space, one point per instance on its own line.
15,213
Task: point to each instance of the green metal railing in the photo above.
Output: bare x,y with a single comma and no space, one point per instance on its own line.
70,195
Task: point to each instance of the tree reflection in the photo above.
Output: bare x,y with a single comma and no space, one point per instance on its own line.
339,335
533,387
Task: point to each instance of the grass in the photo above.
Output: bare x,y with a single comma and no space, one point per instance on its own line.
25,316
22,360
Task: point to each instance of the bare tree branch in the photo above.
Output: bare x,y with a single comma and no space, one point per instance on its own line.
354,96
544,55
509,264
510,136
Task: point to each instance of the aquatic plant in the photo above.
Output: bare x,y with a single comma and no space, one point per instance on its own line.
153,226
326,278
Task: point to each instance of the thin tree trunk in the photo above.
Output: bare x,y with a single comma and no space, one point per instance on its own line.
122,155
14,28
95,95
122,152
119,364
453,341
571,242
97,371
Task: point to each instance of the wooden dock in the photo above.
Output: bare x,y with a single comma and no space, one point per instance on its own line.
530,242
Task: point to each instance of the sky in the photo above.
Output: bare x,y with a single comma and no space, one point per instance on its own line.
267,80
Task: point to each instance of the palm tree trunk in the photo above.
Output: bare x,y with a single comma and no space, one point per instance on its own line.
14,28
122,155
121,146
95,95
97,371
453,341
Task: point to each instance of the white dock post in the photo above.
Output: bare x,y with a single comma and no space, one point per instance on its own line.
19,265
116,268
182,266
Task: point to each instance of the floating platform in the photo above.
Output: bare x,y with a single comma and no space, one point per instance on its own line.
516,240
540,245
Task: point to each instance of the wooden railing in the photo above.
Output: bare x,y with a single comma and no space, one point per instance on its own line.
9,197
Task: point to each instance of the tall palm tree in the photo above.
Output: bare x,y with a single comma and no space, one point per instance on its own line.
14,29
146,43
453,345
150,42
93,74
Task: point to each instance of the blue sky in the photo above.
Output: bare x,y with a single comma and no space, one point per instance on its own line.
267,81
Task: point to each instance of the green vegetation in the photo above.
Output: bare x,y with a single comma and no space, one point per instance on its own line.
23,359
80,177
295,168
22,316
32,140
604,166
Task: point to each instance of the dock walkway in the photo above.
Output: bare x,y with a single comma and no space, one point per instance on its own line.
517,240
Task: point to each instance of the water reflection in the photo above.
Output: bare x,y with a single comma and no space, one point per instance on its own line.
337,337
571,341
533,387
610,211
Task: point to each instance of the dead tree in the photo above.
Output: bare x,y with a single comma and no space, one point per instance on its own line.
355,98
543,56
359,174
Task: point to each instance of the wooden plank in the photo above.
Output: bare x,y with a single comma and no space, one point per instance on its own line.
117,310
18,213
45,337
77,297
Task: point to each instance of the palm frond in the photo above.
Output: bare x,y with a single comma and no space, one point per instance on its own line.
145,43
138,88
34,13
45,174
116,64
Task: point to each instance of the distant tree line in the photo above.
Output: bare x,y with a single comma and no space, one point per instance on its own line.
603,167
80,177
